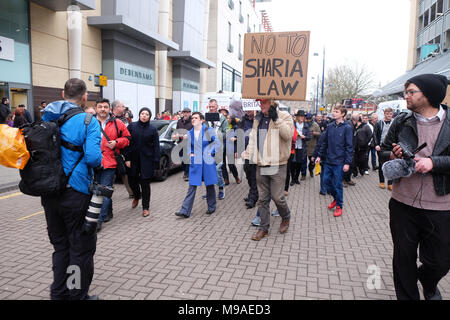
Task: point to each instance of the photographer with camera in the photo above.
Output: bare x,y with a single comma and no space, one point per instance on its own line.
419,207
71,231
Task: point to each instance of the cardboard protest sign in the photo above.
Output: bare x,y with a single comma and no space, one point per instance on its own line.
276,65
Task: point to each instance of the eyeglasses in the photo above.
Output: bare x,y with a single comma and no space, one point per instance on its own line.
410,93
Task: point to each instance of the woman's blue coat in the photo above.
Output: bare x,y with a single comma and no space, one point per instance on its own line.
203,165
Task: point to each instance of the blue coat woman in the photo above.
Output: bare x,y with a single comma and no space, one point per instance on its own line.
202,166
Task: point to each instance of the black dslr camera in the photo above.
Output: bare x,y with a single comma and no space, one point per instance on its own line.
99,191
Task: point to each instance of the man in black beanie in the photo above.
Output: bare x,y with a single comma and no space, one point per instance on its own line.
420,203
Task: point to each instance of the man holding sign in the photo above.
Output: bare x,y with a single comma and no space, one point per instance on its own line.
269,148
275,67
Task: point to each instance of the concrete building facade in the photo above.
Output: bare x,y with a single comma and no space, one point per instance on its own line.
429,40
161,54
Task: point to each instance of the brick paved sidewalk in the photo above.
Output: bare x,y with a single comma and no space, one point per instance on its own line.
212,256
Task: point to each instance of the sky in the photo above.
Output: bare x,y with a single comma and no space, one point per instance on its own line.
373,33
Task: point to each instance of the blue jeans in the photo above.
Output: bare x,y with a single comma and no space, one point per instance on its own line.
373,155
332,177
106,177
188,202
324,187
221,182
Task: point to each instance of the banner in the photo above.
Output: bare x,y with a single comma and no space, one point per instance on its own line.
276,65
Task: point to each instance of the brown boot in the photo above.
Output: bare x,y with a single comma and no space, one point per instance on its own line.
145,213
259,235
284,226
134,203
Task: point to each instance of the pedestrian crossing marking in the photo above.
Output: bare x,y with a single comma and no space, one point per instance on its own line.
11,195
31,215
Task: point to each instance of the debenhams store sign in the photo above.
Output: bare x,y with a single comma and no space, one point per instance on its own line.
132,73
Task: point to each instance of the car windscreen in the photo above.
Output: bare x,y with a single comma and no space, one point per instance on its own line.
161,126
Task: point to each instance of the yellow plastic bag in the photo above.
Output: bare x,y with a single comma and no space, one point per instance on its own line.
13,149
317,169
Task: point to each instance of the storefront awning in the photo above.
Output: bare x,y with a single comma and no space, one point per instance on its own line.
439,65
126,26
62,5
192,57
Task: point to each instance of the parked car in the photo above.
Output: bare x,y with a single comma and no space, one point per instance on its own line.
166,144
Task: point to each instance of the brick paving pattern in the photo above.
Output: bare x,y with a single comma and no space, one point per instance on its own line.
213,256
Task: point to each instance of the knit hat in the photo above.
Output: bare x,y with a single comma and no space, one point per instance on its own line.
433,87
145,109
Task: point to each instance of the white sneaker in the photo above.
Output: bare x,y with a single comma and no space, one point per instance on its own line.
366,172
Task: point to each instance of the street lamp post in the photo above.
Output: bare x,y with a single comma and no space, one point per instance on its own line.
322,100
317,95
323,78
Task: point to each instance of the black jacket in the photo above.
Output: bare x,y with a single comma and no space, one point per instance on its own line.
404,129
182,124
377,131
4,112
143,151
363,135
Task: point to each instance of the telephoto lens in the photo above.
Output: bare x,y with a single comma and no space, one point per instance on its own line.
98,193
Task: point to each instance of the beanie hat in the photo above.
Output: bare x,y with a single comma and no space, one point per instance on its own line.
433,87
150,112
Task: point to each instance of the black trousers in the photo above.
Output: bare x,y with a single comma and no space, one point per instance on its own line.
299,165
380,172
428,230
311,164
288,172
361,158
74,250
231,166
141,189
250,173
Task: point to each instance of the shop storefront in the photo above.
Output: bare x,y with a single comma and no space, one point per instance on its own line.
130,71
186,86
15,62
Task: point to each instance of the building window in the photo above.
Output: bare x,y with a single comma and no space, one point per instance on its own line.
440,6
231,79
240,48
241,18
425,18
433,12
227,78
230,46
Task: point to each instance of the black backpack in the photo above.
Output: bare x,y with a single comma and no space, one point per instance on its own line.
44,173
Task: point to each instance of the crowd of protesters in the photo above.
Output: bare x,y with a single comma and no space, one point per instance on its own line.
278,149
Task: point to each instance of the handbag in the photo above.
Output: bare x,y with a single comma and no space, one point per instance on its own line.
120,159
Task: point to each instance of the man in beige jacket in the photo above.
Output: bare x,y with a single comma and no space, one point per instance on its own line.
269,148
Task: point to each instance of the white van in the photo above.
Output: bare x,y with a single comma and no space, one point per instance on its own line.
396,105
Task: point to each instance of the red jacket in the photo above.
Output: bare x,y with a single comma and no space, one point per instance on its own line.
123,140
294,140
